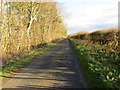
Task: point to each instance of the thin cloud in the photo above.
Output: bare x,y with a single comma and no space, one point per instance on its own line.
94,15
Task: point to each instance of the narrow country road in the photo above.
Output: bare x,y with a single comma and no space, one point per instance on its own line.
56,68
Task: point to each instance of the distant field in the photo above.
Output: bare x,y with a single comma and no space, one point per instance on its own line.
107,37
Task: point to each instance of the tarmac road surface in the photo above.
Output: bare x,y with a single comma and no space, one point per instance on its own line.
57,68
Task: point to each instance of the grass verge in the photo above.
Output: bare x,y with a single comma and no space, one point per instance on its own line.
19,62
100,69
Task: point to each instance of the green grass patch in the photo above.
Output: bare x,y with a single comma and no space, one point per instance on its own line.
19,62
100,68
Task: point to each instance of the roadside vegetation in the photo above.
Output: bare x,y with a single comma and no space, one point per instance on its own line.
99,57
27,26
18,62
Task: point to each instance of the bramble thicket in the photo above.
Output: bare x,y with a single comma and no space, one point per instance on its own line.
99,56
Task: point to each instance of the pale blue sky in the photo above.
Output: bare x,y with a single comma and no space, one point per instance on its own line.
89,15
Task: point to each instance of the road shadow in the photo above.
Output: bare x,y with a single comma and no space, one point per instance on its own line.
55,69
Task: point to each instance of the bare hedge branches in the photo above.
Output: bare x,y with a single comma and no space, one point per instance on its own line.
28,25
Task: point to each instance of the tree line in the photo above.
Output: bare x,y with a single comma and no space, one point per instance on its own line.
27,26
